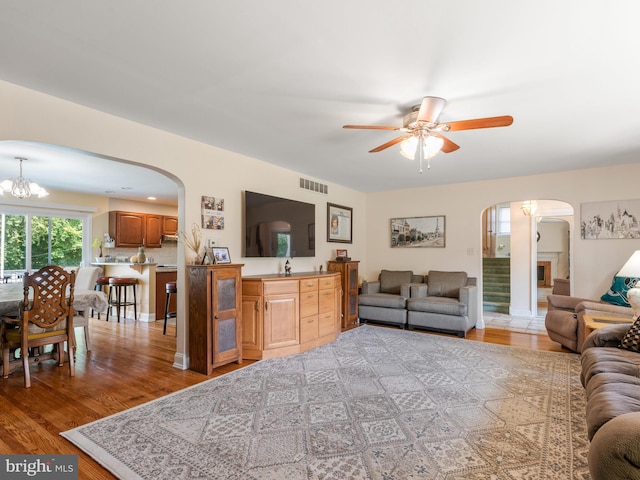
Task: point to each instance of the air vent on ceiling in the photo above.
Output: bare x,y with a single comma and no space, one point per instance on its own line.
314,186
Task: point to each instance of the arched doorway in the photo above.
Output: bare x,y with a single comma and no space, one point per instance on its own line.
515,242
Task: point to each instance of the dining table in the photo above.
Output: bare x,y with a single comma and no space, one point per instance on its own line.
12,293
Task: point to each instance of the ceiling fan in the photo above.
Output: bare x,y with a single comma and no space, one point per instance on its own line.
423,133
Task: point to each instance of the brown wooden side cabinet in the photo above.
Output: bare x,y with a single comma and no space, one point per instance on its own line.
287,314
215,316
349,271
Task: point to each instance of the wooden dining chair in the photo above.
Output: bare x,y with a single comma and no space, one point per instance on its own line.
45,318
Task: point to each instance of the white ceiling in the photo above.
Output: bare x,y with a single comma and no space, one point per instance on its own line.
277,80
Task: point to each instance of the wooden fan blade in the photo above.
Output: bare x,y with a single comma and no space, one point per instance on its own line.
430,109
488,122
372,127
448,146
390,143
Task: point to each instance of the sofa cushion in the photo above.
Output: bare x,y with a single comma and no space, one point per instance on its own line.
607,403
631,339
392,280
384,300
608,360
441,305
445,284
617,293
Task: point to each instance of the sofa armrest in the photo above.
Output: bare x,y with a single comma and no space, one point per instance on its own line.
418,290
609,336
601,307
469,296
370,287
614,452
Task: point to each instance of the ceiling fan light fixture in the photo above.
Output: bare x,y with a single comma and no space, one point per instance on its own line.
21,187
431,146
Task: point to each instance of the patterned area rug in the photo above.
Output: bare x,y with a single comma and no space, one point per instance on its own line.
377,403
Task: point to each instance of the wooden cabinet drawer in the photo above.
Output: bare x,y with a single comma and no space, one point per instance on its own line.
326,324
326,300
308,304
328,282
308,329
279,287
309,285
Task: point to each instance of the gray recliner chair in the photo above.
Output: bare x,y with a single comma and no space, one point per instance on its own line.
447,302
385,300
564,319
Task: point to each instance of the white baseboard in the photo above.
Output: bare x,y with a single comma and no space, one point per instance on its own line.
180,361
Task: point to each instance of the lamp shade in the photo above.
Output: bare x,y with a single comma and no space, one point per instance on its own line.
631,269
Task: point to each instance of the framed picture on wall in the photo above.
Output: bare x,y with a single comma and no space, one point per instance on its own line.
418,232
609,220
339,223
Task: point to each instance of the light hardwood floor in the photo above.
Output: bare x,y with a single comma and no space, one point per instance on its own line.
131,363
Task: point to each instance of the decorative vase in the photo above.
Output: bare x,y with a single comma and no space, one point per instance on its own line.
142,257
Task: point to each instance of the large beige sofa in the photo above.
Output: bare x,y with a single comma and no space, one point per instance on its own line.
611,377
439,301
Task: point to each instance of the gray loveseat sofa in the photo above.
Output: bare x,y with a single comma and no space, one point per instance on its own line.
439,301
611,377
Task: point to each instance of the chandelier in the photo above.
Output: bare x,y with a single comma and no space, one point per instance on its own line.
22,187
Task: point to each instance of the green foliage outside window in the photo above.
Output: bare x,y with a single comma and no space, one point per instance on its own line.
54,241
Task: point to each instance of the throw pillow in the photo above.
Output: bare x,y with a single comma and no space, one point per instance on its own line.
392,280
445,284
617,293
631,340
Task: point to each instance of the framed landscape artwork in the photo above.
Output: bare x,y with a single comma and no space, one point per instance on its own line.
610,220
418,232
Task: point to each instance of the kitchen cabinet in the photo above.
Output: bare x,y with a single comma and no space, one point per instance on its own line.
169,225
132,230
215,316
287,314
153,233
349,271
127,228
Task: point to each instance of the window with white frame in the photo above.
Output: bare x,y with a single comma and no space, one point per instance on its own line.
31,239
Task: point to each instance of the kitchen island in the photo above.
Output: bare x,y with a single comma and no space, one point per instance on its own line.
146,289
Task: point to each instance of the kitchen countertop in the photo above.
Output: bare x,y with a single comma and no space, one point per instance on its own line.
158,267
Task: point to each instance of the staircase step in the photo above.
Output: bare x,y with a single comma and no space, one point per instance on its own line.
496,307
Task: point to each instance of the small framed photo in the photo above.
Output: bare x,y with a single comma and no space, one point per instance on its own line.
341,253
339,223
221,255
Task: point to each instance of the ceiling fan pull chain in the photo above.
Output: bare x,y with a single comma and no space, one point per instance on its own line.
420,150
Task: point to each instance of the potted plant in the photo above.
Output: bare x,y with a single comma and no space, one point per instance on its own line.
98,242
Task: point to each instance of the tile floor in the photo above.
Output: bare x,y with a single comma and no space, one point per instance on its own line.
533,325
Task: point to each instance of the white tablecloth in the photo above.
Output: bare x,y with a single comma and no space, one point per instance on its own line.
12,293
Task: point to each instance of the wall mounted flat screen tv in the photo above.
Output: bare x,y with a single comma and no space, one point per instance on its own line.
278,227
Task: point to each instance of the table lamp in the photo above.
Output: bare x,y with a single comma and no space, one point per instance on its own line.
631,269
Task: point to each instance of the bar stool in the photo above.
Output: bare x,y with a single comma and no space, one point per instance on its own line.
120,284
171,287
102,283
